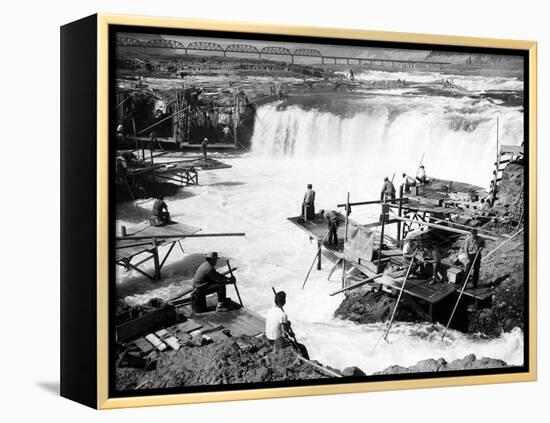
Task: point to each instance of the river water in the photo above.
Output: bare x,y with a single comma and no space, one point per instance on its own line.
374,133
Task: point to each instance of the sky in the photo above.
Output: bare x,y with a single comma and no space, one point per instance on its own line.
326,50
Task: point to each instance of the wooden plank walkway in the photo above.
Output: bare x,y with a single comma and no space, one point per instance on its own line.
128,248
239,320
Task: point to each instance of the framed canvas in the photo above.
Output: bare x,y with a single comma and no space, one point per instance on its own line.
255,211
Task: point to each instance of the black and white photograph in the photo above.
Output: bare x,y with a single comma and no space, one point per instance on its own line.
290,211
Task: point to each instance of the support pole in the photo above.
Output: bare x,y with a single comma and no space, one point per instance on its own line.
347,220
398,299
317,257
345,240
384,213
472,264
319,245
155,253
400,213
235,283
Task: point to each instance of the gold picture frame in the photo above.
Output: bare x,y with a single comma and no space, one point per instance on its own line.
104,21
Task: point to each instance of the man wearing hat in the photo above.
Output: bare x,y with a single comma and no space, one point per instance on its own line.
206,281
472,245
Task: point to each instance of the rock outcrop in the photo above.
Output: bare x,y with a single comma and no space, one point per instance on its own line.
470,362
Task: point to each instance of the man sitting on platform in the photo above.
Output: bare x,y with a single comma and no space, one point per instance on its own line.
421,175
206,281
432,255
309,201
161,216
408,182
278,330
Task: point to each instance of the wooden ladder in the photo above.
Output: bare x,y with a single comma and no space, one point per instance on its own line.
517,210
503,158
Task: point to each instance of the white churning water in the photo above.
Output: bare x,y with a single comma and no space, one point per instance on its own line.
337,153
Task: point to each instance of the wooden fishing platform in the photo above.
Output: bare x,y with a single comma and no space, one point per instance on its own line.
238,320
129,248
182,172
444,196
174,324
417,289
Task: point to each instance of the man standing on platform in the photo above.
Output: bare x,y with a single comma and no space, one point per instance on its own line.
204,148
473,245
206,281
332,221
309,200
226,135
388,190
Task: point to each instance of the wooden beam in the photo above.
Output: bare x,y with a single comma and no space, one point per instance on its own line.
364,203
357,285
179,236
445,228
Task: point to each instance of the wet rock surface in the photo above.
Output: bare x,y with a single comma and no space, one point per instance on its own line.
470,362
363,306
218,363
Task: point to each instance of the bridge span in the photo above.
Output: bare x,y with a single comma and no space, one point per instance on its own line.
270,51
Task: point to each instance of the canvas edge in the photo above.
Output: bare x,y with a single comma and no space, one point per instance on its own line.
104,20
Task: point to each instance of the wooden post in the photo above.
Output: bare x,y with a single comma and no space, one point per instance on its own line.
347,214
152,161
345,240
384,212
236,120
319,255
399,212
155,253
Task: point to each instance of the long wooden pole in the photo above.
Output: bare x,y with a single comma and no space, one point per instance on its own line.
357,285
400,213
460,294
366,203
234,283
398,299
320,368
190,290
345,240
501,245
178,236
347,219
162,120
314,259
384,213
446,228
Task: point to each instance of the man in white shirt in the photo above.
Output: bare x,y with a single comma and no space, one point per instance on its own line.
421,175
278,330
276,319
408,182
